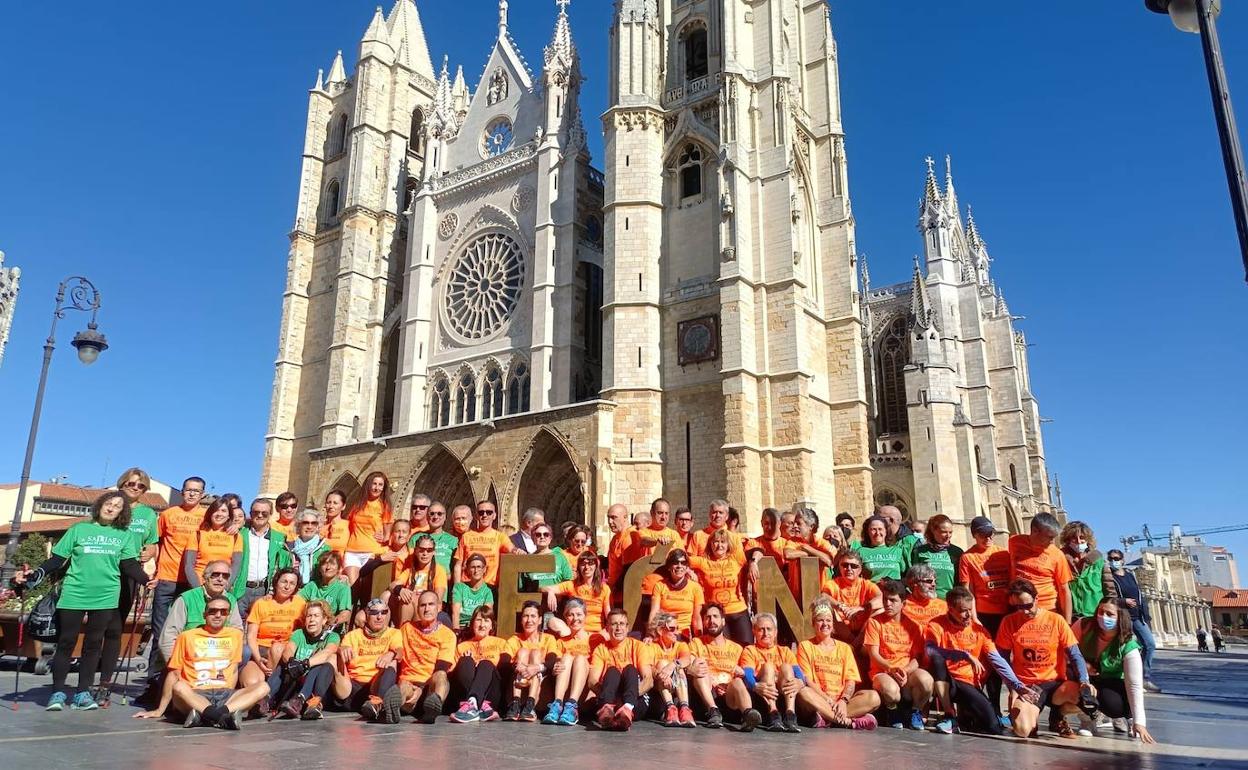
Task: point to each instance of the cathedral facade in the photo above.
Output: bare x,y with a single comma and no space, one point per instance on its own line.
474,309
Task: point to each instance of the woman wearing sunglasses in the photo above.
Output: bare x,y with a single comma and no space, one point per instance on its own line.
677,594
416,571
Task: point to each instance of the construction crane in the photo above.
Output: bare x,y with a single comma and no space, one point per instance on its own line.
1177,534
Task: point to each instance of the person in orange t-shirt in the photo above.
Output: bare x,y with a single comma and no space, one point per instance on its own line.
287,505
620,669
368,668
678,594
985,569
894,646
572,669
588,586
336,531
1039,643
1039,562
370,519
621,537
204,670
414,571
533,655
428,654
483,539
772,542
855,598
831,697
272,619
475,681
656,533
922,605
213,541
720,575
771,672
717,517
671,658
713,673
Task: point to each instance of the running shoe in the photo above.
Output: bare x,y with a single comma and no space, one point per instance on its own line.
686,716
1102,722
916,721
431,708
264,708
56,702
314,709
193,719
232,720
714,719
773,723
864,722
1064,730
293,707
513,711
488,714
392,706
790,722
1150,687
671,716
1006,722
83,702
750,719
553,712
606,717
103,695
371,710
466,714
623,720
528,711
945,727
1121,726
571,714
821,723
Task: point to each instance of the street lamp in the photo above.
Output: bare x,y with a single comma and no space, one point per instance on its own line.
89,344
1198,16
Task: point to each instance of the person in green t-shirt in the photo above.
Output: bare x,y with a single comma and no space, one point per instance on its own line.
938,551
444,543
92,556
542,537
468,596
884,560
307,662
327,586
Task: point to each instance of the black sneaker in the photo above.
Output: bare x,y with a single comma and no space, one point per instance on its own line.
102,695
293,707
431,708
513,711
773,724
193,719
750,719
392,706
232,720
371,710
714,719
528,711
790,722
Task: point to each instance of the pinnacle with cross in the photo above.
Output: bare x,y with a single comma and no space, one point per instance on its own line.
563,5
931,164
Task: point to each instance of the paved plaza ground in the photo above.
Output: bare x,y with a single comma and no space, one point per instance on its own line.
1200,721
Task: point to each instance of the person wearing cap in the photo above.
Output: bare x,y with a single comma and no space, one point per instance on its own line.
985,570
367,674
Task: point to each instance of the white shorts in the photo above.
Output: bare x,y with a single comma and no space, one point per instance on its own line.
356,559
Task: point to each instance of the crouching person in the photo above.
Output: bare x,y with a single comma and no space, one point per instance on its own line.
895,647
366,680
203,668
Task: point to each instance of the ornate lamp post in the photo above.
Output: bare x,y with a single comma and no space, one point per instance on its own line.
1198,16
89,343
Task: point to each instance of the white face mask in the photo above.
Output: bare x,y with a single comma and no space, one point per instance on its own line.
1081,547
1107,622
1115,563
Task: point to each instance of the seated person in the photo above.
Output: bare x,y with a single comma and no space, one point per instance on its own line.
367,675
831,697
1039,643
922,605
203,670
270,622
958,651
476,680
307,664
415,571
771,673
533,655
671,658
328,585
589,587
855,598
714,674
428,653
572,669
894,645
619,671
470,594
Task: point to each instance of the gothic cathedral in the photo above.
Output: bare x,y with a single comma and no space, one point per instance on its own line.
474,309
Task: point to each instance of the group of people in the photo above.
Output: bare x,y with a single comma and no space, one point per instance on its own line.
279,611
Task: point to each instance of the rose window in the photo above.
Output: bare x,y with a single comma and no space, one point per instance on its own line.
484,286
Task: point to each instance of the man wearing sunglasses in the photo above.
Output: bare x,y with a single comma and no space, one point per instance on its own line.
419,513
485,540
203,670
444,543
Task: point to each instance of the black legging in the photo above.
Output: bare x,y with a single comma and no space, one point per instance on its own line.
738,628
975,713
480,680
1111,695
620,685
993,685
101,645
317,681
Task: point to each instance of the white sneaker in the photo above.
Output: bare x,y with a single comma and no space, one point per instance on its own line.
1086,728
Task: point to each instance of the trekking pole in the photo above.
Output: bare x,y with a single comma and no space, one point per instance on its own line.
134,632
21,639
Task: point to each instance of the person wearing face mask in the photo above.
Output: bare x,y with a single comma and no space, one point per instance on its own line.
1132,598
938,551
1115,665
1092,580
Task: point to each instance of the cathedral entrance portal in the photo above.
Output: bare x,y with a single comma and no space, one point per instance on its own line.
550,482
444,479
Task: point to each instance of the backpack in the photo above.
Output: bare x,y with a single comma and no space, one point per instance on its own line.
41,623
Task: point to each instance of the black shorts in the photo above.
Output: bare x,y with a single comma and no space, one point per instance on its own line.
1046,692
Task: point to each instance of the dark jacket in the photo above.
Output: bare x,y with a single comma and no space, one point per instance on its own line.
1129,588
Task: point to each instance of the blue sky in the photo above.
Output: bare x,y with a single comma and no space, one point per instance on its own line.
154,147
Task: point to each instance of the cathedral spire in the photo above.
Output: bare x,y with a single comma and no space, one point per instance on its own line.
931,207
337,71
950,197
320,80
443,117
407,38
502,18
376,40
920,306
561,54
866,273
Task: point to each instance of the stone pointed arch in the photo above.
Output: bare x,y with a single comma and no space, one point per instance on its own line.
1012,521
441,475
547,477
349,484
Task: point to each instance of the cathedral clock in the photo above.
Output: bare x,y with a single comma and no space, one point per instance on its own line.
697,340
